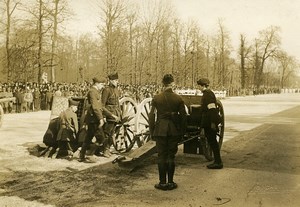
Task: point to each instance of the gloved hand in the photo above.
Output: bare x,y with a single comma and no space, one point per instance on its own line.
117,119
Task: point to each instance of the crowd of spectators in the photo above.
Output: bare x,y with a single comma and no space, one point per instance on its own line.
25,97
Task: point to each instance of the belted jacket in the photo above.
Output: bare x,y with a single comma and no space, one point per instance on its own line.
68,125
167,116
110,101
95,109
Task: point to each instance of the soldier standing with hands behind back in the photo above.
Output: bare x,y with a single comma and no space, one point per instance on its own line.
210,121
167,130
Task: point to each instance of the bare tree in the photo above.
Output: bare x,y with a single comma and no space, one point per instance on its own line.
10,7
288,67
244,52
266,47
59,14
114,16
224,48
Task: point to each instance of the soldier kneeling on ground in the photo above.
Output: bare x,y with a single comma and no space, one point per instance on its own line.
61,133
68,130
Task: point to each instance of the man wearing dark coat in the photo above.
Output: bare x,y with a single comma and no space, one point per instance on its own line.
68,129
209,121
95,118
169,111
110,100
49,99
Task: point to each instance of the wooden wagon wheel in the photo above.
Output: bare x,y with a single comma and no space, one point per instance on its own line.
220,134
123,139
142,122
1,115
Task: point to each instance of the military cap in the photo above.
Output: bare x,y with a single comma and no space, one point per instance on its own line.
73,103
203,82
113,76
168,79
99,80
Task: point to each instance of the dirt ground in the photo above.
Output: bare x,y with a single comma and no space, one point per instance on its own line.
261,156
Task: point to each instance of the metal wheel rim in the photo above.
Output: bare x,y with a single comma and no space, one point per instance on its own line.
123,138
142,122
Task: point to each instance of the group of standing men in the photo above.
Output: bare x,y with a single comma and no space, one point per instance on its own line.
102,115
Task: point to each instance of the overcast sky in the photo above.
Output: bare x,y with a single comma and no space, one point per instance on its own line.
239,16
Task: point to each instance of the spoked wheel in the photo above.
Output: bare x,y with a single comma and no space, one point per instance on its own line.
220,134
1,115
142,122
123,139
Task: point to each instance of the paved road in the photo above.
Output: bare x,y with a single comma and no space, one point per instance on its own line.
262,168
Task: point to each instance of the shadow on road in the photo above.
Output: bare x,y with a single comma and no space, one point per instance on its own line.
273,146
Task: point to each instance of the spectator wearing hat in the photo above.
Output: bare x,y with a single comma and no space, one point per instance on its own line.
49,99
169,112
68,130
110,100
95,119
210,121
36,99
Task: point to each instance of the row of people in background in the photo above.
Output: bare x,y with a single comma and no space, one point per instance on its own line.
34,97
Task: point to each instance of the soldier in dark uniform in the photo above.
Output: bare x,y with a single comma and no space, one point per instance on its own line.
95,118
68,130
167,130
209,121
110,100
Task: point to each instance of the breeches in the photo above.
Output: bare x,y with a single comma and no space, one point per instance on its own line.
94,130
211,136
167,148
109,128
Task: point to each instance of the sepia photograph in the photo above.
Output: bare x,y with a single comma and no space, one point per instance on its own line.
149,103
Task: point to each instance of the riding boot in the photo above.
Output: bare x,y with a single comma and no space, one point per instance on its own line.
217,155
83,151
162,170
171,170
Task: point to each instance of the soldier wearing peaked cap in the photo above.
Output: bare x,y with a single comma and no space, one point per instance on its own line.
110,100
95,118
209,121
167,130
113,76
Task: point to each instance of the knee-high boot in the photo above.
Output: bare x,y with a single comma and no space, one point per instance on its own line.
216,152
171,171
162,170
83,151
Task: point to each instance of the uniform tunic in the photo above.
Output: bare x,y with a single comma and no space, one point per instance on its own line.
209,117
68,126
110,100
164,130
